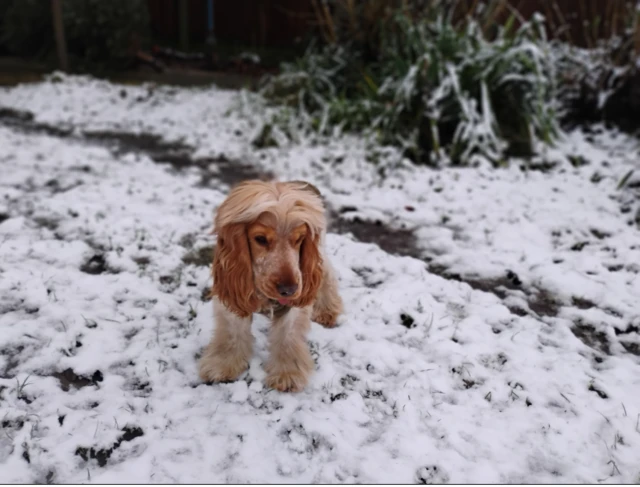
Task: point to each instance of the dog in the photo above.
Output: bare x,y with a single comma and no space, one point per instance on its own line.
270,259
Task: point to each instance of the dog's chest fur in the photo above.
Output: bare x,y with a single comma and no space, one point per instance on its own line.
273,309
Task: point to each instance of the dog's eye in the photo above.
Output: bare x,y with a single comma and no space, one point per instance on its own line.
261,240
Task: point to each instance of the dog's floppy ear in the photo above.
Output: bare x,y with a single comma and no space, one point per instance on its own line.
306,187
232,271
311,268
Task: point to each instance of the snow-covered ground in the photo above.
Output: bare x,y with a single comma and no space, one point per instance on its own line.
508,352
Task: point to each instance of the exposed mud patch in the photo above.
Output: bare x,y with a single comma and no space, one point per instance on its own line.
95,265
591,337
582,303
12,354
628,330
229,172
13,114
102,455
598,340
543,303
392,241
25,121
199,257
68,378
178,155
539,301
631,347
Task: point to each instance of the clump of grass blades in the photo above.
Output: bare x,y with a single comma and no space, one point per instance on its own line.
438,88
457,89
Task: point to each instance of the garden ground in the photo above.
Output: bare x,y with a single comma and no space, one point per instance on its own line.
491,333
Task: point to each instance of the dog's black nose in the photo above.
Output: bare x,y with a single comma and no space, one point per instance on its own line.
287,289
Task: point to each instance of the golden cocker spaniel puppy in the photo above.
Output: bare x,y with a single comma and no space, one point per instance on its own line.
270,259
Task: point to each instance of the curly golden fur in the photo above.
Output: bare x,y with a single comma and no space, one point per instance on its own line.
270,259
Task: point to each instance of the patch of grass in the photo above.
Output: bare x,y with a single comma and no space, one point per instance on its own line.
20,386
625,179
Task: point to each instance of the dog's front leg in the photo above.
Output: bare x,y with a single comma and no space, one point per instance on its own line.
230,349
328,305
290,363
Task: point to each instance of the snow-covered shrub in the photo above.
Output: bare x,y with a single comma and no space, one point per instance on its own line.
457,89
436,88
602,83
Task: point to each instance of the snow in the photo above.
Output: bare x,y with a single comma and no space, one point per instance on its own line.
427,378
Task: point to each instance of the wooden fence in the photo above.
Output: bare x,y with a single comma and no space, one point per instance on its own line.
271,23
263,23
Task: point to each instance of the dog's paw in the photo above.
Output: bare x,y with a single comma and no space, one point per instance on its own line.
290,374
326,318
287,381
220,369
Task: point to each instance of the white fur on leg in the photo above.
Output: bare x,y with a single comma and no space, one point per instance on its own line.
290,363
328,305
230,349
